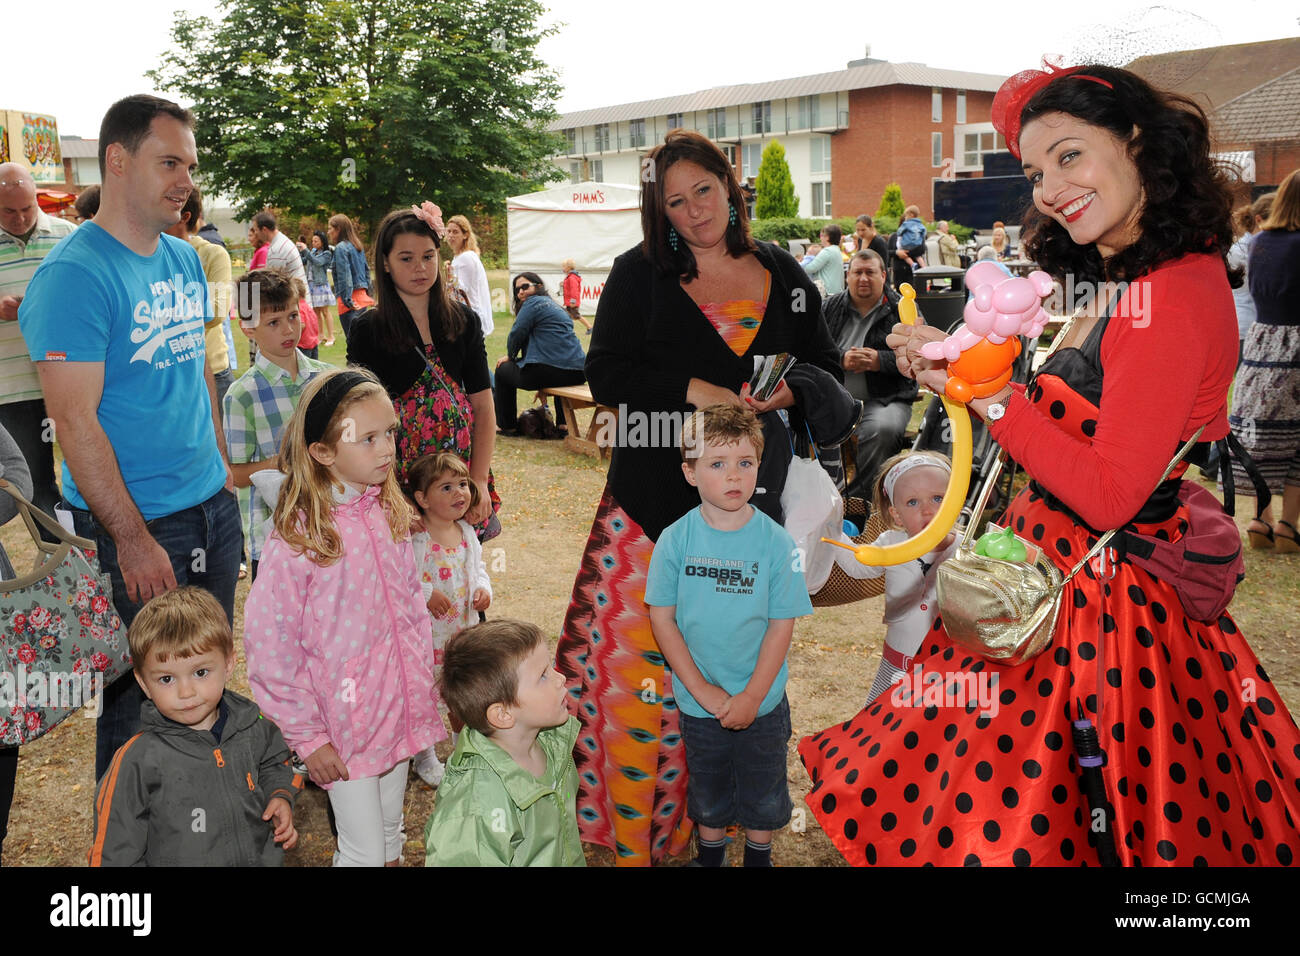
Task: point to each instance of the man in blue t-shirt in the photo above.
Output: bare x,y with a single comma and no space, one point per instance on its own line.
724,588
114,320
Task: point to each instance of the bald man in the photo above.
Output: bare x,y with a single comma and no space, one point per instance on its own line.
26,235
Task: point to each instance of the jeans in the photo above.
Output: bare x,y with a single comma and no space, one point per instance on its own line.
203,543
738,776
880,433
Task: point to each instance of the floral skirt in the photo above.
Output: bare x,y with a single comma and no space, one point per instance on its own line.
630,757
1202,757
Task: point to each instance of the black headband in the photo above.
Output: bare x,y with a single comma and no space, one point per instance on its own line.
322,405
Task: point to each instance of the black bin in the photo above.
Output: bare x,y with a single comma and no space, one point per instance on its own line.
940,295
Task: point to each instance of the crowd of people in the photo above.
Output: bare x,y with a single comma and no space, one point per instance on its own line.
368,491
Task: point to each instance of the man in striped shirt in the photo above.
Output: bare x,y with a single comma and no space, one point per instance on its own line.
26,235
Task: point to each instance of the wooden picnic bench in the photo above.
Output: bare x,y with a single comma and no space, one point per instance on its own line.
572,398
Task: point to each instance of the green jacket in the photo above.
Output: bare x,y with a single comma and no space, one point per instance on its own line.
492,812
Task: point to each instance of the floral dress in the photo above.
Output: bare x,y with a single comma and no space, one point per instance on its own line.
435,415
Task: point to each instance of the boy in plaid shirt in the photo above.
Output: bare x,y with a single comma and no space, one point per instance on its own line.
259,404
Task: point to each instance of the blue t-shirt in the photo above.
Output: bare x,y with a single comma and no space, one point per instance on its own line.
94,300
726,586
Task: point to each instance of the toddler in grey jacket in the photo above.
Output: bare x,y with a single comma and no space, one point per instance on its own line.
207,782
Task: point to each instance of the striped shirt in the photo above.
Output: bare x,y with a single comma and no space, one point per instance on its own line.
256,409
18,262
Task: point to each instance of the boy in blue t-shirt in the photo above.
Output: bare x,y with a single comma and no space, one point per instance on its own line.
724,590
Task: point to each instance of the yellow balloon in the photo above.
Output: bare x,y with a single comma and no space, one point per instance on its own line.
958,480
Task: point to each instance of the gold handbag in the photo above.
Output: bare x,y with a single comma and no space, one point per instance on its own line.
1007,611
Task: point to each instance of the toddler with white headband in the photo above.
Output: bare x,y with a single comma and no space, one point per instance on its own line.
908,493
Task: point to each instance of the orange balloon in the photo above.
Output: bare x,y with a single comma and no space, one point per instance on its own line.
982,369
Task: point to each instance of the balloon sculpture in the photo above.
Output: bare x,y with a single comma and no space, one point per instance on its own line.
980,356
958,479
980,353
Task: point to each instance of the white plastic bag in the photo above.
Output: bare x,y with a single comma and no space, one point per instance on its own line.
813,509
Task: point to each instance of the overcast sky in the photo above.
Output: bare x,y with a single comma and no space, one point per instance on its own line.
621,51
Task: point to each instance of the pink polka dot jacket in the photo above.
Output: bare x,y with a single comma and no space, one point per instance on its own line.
341,654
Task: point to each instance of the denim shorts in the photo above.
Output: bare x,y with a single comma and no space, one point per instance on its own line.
738,776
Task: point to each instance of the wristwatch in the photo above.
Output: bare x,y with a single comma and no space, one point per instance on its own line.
997,409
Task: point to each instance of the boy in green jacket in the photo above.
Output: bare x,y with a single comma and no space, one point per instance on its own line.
510,790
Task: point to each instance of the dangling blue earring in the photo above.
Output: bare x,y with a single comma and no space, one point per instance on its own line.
731,214
672,238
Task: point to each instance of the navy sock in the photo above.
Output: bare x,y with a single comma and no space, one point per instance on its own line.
712,852
758,854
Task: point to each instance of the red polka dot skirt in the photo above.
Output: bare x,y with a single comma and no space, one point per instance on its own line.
971,762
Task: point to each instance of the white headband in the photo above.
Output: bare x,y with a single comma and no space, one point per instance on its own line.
906,465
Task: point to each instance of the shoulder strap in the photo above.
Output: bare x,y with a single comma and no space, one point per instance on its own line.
1230,444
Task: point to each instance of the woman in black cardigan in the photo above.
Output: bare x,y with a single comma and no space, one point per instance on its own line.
680,319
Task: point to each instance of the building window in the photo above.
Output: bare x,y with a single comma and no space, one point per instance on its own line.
809,112
820,150
936,105
598,170
730,152
636,132
575,172
821,199
717,125
936,149
571,137
961,106
974,141
751,157
602,137
762,117
675,121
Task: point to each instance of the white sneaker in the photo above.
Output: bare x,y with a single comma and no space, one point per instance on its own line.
429,767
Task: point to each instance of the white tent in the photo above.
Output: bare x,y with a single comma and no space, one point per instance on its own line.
590,223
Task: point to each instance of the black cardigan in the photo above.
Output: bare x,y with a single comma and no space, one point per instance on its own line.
651,339
465,359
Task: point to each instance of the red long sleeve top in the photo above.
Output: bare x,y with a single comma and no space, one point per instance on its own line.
1168,357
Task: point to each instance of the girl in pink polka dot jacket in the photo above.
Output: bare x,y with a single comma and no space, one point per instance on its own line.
335,629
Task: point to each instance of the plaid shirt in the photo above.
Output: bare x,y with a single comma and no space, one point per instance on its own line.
255,411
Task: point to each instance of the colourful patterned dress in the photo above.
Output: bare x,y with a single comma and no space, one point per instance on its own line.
631,763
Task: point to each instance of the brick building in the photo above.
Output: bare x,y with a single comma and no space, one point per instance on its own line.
1251,92
847,134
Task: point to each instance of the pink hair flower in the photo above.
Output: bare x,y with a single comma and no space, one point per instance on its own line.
431,216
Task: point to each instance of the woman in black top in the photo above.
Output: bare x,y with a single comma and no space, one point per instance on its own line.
428,351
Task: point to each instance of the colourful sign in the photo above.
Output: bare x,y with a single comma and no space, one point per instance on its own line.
32,140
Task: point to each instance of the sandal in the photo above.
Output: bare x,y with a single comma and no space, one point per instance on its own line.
1286,543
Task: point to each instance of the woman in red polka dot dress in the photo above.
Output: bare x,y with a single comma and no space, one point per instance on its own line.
1203,760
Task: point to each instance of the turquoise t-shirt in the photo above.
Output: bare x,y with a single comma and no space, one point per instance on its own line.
94,300
726,586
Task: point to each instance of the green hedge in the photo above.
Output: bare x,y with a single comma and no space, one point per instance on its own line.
783,229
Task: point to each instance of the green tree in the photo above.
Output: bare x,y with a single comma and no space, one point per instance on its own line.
891,203
774,189
323,106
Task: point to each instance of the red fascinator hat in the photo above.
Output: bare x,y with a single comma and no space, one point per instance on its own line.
1017,91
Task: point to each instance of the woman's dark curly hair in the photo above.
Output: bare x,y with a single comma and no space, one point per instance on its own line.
1187,201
